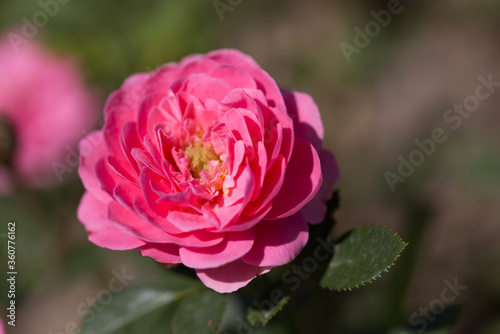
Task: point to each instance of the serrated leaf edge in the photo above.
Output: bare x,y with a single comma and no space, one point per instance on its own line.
267,319
372,279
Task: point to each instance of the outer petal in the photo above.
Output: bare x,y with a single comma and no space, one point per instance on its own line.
121,107
133,225
230,277
233,75
195,64
94,216
94,148
161,78
164,253
314,212
234,246
233,57
306,117
278,242
268,86
130,95
329,167
302,181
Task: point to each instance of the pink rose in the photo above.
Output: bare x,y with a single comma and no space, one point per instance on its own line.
43,100
207,163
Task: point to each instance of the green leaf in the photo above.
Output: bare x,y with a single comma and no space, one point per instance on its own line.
136,304
156,322
200,313
361,256
261,317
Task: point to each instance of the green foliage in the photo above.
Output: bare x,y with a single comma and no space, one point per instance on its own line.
261,318
199,313
361,256
148,309
133,308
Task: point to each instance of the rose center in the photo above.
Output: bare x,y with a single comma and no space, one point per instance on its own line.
199,156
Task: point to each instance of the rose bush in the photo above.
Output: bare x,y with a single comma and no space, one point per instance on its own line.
45,103
209,164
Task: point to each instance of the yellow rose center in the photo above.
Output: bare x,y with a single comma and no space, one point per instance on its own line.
199,156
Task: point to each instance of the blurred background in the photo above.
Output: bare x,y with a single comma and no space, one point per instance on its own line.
392,87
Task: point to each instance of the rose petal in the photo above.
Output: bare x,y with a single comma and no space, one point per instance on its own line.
234,246
121,107
234,76
204,87
95,149
278,242
235,121
329,167
302,181
269,87
278,116
149,114
200,238
246,222
271,186
236,154
164,253
259,168
306,117
160,80
273,139
146,213
129,139
119,169
314,212
229,277
93,214
133,225
242,191
125,193
233,57
190,221
196,64
107,179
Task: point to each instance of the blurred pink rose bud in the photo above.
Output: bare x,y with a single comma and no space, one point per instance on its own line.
45,109
209,164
